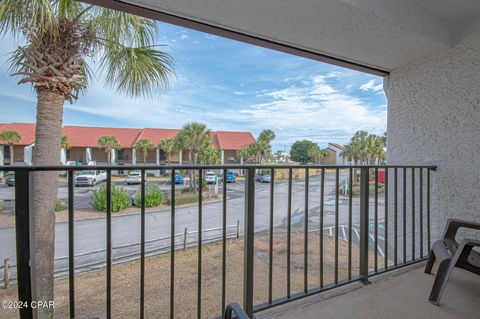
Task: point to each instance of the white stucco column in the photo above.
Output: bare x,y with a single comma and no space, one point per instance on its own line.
2,158
27,154
434,119
180,157
157,161
113,156
134,156
223,156
241,160
88,154
63,156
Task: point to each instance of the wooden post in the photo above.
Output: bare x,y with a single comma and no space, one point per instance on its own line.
238,229
185,239
6,273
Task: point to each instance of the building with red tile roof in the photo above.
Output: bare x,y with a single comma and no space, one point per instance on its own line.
87,136
83,145
26,131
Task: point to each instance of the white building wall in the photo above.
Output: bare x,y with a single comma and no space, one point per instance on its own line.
434,118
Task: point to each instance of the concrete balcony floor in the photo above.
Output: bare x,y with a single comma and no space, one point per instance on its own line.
398,294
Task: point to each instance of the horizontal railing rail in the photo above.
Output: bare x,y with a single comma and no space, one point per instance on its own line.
384,222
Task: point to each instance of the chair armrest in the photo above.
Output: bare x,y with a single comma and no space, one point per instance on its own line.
454,224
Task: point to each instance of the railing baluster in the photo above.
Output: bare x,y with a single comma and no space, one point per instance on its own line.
224,238
199,269
71,246
350,205
404,215
142,244
364,224
172,244
395,216
413,213
109,243
421,212
270,241
289,230
305,247
336,223
23,213
428,209
322,195
249,241
375,262
385,231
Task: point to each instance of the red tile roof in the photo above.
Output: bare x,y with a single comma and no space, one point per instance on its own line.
87,136
234,140
26,131
155,135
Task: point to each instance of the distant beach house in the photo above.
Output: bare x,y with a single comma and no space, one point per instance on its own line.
334,156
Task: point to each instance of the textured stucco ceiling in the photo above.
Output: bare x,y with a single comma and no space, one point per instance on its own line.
383,34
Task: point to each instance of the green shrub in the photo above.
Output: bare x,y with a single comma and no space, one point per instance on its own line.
60,205
153,196
183,199
120,198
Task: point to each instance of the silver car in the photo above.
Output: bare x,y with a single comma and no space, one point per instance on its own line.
134,177
263,178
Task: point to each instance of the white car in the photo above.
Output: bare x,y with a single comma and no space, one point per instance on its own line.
90,178
134,177
210,177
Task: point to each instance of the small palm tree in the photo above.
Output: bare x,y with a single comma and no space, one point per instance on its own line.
169,146
193,137
108,143
264,139
144,145
64,144
61,43
210,155
10,137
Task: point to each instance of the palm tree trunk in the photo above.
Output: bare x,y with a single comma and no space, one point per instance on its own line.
11,154
144,158
109,160
46,150
195,186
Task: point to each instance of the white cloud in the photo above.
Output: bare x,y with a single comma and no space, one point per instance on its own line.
372,86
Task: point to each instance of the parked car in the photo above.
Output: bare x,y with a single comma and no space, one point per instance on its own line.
10,179
230,177
263,178
178,179
210,178
134,177
90,178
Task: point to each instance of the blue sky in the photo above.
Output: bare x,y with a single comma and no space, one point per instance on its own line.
227,85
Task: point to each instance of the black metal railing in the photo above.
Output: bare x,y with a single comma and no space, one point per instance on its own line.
364,220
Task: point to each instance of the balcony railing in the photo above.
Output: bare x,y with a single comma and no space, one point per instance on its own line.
404,215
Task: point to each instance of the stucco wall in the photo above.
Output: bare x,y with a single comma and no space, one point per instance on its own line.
434,118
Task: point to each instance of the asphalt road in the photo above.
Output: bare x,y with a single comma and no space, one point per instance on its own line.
90,235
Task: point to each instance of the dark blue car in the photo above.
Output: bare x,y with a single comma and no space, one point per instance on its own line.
178,179
230,178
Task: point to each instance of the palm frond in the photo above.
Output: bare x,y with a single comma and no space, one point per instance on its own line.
137,71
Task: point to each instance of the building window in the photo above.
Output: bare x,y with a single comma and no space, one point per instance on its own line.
6,153
231,159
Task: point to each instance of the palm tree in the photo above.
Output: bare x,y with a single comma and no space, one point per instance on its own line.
193,137
169,146
10,137
263,143
57,37
108,143
210,155
144,145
